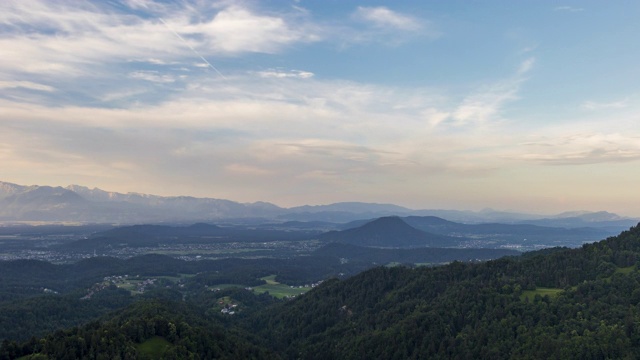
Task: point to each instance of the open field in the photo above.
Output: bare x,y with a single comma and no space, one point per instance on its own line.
539,291
625,270
279,290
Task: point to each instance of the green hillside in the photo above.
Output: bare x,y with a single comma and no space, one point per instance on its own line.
472,311
555,304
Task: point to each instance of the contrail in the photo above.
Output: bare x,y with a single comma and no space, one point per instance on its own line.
192,49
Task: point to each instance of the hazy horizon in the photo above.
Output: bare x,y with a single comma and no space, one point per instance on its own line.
479,210
531,107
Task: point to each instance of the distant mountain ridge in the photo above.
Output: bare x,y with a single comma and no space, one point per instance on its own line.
92,205
431,231
79,203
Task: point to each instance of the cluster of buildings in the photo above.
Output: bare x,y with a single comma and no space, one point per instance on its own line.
228,309
308,285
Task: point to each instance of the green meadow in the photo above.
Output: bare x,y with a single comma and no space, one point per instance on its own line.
530,294
278,290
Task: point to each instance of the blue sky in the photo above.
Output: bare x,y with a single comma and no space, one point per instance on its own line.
530,106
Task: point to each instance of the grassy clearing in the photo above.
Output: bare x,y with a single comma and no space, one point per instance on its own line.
539,291
278,290
129,285
271,280
154,348
625,270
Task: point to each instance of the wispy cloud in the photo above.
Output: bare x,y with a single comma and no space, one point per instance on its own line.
273,122
302,130
72,45
383,25
71,38
25,85
275,73
144,4
152,76
344,127
593,146
385,18
568,8
526,66
593,156
487,103
592,105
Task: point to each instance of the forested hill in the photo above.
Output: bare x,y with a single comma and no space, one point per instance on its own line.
554,304
390,231
563,304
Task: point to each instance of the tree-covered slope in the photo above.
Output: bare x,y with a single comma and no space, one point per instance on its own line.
554,304
494,310
145,330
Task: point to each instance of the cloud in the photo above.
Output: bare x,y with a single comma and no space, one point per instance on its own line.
159,62
81,39
593,156
274,73
64,39
384,26
152,76
246,170
122,94
144,4
592,105
528,49
568,8
526,66
382,17
236,30
583,149
325,131
484,105
290,128
487,103
70,46
25,85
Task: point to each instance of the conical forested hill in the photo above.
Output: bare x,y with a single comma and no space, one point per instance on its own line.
390,231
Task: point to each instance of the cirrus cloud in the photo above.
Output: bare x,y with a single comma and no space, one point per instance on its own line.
385,18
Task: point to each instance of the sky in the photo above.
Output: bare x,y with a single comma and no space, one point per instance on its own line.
529,106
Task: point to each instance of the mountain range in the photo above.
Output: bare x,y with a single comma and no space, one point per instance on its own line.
77,203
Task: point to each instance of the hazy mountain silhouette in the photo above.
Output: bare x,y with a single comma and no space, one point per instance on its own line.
82,204
391,232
